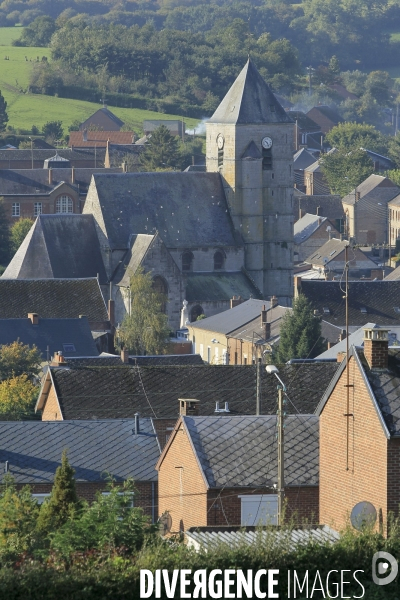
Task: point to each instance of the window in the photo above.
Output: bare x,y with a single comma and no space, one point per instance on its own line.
216,355
187,261
220,157
201,350
208,354
267,159
259,509
195,312
40,498
64,204
37,209
225,357
16,209
69,348
219,260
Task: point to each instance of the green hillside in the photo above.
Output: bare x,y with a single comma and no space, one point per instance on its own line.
8,34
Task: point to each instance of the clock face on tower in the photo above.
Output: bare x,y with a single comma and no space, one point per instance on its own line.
266,143
220,142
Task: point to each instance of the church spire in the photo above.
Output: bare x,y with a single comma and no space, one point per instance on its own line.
250,101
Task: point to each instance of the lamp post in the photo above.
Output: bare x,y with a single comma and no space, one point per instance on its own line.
272,370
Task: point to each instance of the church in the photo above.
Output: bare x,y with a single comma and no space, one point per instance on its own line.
205,236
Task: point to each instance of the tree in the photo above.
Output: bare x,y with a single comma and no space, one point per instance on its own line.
300,335
38,33
19,359
161,151
349,136
53,130
18,233
345,170
145,330
4,235
3,113
17,398
63,500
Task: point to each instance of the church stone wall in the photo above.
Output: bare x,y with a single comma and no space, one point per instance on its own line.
203,258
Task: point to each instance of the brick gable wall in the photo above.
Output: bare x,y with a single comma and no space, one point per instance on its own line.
51,410
366,479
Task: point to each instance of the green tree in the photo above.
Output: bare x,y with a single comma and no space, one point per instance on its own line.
38,33
4,235
145,330
18,233
63,501
161,151
300,335
17,398
334,66
345,170
394,175
394,150
3,113
19,359
53,130
349,136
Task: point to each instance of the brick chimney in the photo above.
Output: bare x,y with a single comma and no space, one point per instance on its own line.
111,312
72,174
34,317
274,301
340,356
342,335
235,301
376,342
264,323
189,407
58,358
124,356
50,176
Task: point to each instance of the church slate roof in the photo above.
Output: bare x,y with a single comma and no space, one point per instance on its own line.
187,209
52,299
250,100
48,251
217,287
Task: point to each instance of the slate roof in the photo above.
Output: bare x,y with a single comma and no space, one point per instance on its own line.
95,449
328,205
302,159
306,226
374,189
250,100
229,320
120,392
108,113
187,209
253,332
93,361
36,181
216,287
356,338
133,259
73,155
52,299
304,122
394,275
380,299
166,359
71,336
47,251
241,451
334,248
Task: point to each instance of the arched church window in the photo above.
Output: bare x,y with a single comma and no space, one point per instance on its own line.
195,312
160,286
64,204
219,260
187,261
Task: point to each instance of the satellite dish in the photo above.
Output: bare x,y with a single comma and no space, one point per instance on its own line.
363,515
165,523
329,228
325,260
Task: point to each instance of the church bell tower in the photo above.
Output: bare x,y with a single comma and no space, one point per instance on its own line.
250,143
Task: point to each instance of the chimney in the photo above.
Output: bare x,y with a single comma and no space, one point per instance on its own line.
342,335
124,355
72,174
34,317
340,356
235,301
58,358
318,207
50,176
137,426
263,316
376,342
297,286
84,135
189,407
329,345
274,301
124,167
111,312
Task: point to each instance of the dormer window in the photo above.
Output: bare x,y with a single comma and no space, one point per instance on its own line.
363,310
187,261
326,310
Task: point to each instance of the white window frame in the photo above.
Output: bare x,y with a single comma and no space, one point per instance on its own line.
225,357
37,209
64,205
216,355
259,509
201,350
209,354
40,498
16,209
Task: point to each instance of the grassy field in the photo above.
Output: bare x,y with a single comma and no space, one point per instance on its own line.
8,34
25,110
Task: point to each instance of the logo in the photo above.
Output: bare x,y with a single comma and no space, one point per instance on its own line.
384,563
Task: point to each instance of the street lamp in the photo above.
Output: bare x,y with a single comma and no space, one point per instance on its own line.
272,370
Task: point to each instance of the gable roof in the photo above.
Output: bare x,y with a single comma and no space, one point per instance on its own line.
96,449
187,209
241,451
52,299
327,112
306,226
106,112
394,275
229,320
356,338
71,154
217,287
255,333
154,391
375,188
47,251
304,122
327,205
334,248
302,159
377,301
71,336
133,259
250,100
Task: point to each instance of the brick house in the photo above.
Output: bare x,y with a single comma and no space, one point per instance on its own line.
360,437
99,139
325,117
222,470
31,451
102,119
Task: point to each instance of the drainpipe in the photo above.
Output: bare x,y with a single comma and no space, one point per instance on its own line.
153,508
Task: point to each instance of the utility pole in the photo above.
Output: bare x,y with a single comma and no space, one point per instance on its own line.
281,457
347,414
258,396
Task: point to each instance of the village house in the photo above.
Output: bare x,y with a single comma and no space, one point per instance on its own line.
34,158
99,139
174,126
314,181
359,433
310,233
222,470
305,128
301,160
325,117
102,120
122,448
330,261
